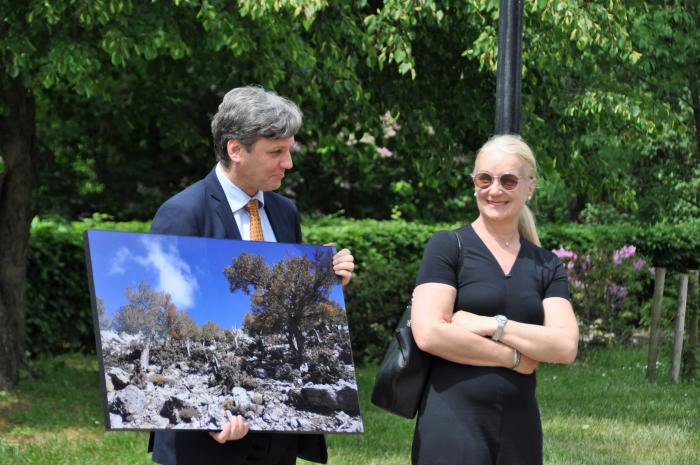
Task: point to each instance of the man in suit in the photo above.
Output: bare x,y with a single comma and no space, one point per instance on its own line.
253,133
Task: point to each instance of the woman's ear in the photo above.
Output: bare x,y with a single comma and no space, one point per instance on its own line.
531,189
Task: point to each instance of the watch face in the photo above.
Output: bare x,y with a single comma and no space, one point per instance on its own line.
501,320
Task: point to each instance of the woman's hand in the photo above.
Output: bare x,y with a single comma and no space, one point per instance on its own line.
526,366
477,324
234,429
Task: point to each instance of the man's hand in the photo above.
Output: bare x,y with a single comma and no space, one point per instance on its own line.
343,264
234,429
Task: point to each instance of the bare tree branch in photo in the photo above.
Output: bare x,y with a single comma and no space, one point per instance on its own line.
146,313
289,298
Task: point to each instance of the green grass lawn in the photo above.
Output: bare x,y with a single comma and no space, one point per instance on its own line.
599,411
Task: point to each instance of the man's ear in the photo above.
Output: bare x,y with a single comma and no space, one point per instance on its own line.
233,149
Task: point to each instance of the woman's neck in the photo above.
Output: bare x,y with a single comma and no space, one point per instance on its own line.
503,233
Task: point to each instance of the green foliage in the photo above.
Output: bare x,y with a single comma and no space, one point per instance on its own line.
58,300
608,289
396,95
674,246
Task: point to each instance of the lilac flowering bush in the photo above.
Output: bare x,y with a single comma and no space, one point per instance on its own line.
609,291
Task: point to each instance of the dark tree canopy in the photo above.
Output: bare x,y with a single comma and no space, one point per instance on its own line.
289,298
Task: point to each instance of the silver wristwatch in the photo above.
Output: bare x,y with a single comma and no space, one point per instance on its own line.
501,320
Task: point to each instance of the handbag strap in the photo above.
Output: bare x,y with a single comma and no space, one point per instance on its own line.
460,258
460,261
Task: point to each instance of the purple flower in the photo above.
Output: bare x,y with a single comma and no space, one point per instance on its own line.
652,270
638,264
617,259
619,292
625,251
586,264
295,147
384,152
564,254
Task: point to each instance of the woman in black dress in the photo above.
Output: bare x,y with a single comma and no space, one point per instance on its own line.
489,318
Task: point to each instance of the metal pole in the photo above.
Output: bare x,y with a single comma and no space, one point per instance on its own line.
509,71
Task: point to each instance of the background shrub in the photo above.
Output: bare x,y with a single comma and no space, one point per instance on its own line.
387,255
59,318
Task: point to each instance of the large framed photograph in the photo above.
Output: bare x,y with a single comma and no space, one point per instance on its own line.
191,330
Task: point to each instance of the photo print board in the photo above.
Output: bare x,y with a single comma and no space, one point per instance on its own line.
190,330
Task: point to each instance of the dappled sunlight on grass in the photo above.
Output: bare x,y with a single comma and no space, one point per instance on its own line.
28,434
599,411
617,441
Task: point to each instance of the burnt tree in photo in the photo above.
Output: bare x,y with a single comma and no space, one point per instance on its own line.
211,332
103,318
146,313
290,298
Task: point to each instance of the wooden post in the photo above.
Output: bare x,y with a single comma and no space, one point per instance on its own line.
659,278
693,309
680,329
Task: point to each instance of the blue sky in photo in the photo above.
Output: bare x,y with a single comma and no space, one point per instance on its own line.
190,269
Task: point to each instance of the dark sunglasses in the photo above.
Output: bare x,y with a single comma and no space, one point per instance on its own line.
484,180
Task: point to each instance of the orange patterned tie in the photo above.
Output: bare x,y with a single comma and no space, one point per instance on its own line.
256,233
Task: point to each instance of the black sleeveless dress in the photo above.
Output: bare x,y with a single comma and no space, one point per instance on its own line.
473,415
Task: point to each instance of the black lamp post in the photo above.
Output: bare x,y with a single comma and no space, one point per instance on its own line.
509,71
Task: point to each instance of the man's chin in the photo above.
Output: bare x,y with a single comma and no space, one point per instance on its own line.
273,186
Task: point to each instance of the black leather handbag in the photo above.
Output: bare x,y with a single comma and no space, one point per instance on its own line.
403,373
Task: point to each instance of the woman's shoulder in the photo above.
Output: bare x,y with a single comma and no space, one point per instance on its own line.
540,255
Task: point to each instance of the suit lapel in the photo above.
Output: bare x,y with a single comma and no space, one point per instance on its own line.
276,216
217,202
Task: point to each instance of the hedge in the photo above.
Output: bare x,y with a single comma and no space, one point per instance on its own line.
387,255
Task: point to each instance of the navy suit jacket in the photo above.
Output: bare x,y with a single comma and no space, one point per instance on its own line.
202,210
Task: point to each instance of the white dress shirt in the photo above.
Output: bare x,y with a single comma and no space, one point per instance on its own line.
237,200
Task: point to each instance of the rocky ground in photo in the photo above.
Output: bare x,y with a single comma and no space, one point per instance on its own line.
199,391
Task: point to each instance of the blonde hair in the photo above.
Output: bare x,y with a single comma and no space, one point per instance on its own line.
515,145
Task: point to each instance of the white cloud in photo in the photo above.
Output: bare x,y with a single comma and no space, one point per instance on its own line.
174,274
117,265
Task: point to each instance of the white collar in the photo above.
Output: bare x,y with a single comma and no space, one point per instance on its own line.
237,199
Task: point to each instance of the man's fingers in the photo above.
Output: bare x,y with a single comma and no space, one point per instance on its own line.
222,436
235,428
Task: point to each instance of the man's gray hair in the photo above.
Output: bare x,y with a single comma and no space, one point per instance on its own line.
249,113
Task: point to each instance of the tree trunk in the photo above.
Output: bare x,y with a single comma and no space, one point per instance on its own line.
693,309
680,329
145,359
659,278
695,95
17,148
